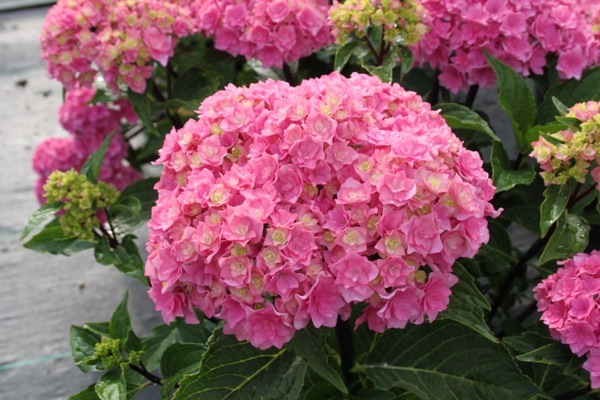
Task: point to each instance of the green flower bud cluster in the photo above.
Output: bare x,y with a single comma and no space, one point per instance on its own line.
110,353
571,152
400,19
80,199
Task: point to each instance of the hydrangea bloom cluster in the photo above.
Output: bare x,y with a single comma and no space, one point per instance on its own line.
89,125
117,37
577,151
273,32
520,33
285,205
569,304
80,199
400,19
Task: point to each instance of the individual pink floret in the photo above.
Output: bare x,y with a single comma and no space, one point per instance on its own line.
325,195
568,301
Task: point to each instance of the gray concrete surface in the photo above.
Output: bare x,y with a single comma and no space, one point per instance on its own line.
42,295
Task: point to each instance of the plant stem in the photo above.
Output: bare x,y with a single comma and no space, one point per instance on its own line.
473,89
146,374
514,272
287,73
346,343
112,241
433,97
112,228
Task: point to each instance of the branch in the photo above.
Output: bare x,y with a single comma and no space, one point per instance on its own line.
146,374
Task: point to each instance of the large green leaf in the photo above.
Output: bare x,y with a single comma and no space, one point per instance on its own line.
467,304
134,206
46,211
570,92
51,239
460,117
88,394
343,54
120,322
125,257
179,359
83,344
111,385
516,98
554,353
571,236
555,202
308,343
143,108
236,370
91,168
504,176
446,360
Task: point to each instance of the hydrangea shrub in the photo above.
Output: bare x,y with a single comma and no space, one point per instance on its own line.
329,214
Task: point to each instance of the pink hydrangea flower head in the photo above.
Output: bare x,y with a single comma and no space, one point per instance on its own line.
88,124
568,302
332,193
273,32
400,20
118,38
519,33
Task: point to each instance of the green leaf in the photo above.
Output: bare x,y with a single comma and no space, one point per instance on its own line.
51,239
83,342
323,391
570,237
181,357
195,84
120,322
526,216
570,92
143,108
127,215
130,262
580,205
554,353
572,123
374,394
536,131
562,109
101,328
385,71
308,343
343,54
446,360
555,202
158,340
236,370
91,167
460,117
467,304
406,60
46,211
552,139
178,360
103,96
516,98
504,176
87,394
111,385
